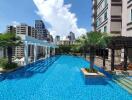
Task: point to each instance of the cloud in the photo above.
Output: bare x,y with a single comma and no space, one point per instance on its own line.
58,15
15,23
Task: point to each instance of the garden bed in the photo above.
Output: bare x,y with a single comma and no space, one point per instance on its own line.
93,78
91,74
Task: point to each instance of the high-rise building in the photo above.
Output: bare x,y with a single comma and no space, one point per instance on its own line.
113,17
107,16
11,29
50,38
127,23
21,29
38,32
34,33
40,29
42,32
126,17
25,30
72,36
57,39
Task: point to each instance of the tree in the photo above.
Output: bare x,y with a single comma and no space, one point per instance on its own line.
81,44
8,41
92,41
64,49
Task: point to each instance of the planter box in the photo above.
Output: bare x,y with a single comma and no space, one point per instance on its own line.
87,74
93,78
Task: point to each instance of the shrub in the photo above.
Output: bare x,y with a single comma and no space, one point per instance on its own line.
90,70
5,65
3,61
10,66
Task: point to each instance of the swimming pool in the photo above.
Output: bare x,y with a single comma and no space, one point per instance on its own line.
57,78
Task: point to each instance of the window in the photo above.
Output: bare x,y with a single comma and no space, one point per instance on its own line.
131,14
97,23
98,1
105,29
105,2
100,20
105,15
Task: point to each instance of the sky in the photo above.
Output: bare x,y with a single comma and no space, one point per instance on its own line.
59,16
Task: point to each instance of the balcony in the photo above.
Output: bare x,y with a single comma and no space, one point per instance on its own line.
94,6
129,1
94,15
116,18
116,2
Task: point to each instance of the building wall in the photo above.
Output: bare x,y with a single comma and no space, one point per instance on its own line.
118,22
116,17
108,19
38,32
21,29
11,29
102,17
127,23
127,16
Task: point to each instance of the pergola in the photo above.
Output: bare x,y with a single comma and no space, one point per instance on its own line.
27,40
118,43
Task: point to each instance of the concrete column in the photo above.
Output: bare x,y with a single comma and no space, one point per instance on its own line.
46,52
25,53
125,58
35,52
122,55
54,51
112,59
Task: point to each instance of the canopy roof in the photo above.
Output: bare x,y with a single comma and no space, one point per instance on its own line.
33,41
120,42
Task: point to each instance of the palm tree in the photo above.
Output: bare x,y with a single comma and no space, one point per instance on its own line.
81,44
8,41
92,41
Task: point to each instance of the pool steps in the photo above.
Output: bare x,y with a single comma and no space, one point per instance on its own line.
124,82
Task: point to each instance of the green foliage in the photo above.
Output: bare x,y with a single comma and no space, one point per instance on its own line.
93,39
91,70
97,39
10,66
9,39
3,61
64,49
81,42
75,49
5,65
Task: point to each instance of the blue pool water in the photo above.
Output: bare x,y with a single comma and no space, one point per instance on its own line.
57,78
